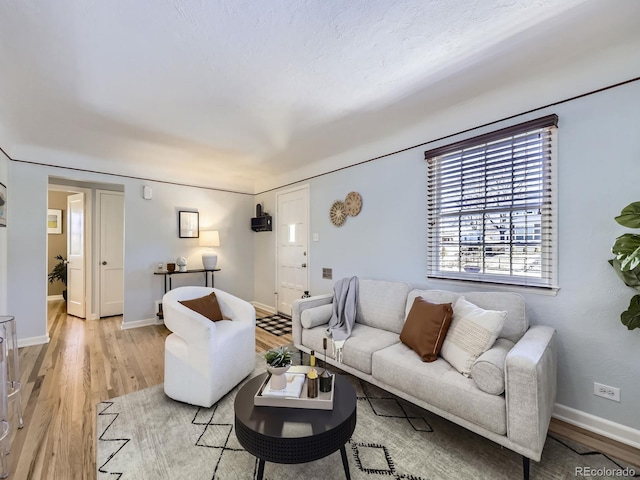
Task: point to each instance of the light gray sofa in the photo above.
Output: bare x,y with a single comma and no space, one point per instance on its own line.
518,373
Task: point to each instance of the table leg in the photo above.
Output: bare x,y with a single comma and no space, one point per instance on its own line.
345,463
260,469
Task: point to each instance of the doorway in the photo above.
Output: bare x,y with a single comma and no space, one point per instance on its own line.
292,252
84,240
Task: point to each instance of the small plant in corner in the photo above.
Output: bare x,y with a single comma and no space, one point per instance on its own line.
627,261
59,273
278,357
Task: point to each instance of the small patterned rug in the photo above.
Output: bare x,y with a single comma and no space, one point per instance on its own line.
276,324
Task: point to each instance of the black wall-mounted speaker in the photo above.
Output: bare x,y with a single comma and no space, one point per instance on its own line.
261,223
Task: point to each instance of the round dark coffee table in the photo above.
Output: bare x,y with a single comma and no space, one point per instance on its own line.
295,435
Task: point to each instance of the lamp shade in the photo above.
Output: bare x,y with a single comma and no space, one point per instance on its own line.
209,238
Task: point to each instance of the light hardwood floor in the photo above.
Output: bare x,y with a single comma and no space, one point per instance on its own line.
86,362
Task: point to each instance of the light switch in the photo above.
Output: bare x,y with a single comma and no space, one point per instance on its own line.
316,237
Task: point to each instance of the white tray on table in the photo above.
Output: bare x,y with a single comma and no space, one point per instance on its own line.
324,400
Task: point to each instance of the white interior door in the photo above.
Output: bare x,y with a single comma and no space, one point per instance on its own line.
111,253
292,247
75,255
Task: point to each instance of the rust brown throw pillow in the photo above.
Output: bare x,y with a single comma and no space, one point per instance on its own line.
207,306
425,328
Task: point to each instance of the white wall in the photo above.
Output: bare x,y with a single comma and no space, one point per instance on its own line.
599,168
265,245
151,236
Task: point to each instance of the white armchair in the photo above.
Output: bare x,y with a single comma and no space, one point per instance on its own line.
204,360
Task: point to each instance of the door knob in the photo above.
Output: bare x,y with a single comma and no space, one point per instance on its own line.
104,263
304,265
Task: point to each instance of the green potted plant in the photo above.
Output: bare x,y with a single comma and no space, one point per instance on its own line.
59,273
278,362
627,261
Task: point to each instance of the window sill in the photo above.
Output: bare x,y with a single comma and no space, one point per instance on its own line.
495,286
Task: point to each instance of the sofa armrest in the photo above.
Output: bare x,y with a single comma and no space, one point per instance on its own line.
300,305
530,385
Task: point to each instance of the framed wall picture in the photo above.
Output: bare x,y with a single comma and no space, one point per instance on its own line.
188,224
54,220
3,205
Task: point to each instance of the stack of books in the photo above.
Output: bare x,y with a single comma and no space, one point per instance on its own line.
295,382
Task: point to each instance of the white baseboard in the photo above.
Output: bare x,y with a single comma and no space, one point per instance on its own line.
601,426
264,307
31,341
141,323
51,298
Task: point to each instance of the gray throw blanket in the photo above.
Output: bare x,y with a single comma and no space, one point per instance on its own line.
345,299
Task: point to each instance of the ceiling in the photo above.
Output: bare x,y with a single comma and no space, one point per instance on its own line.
227,93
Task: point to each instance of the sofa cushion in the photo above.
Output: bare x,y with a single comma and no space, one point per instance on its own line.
472,332
206,306
516,322
312,317
382,304
358,348
488,369
439,384
426,327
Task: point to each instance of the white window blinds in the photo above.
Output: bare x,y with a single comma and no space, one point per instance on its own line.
491,207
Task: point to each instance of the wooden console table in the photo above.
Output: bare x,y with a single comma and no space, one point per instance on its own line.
167,276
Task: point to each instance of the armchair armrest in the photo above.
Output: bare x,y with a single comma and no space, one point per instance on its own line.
187,324
235,308
300,305
530,385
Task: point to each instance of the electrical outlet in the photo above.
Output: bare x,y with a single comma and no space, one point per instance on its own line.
605,391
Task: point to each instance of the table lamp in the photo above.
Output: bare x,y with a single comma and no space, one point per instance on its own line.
209,239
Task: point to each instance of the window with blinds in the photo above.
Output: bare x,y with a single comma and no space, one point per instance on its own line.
491,207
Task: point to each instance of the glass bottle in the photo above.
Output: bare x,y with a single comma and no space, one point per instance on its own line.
312,377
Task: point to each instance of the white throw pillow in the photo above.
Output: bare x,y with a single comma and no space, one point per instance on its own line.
472,332
312,317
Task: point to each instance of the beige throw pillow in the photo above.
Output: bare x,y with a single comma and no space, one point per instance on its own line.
472,332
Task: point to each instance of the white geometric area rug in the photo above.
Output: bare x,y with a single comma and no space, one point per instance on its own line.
145,435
